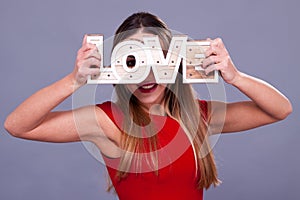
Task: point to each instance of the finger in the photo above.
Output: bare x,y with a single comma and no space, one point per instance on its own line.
84,65
216,48
210,51
210,61
84,75
218,42
87,48
218,45
213,67
93,63
93,71
92,54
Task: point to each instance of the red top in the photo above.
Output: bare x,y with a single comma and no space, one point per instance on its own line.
176,178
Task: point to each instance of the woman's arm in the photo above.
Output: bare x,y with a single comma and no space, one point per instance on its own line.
266,105
34,119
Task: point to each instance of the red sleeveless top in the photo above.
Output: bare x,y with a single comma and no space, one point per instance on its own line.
176,177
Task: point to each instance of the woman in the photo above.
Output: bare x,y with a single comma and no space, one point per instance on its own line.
142,158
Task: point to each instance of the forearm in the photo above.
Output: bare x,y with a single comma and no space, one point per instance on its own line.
33,110
265,96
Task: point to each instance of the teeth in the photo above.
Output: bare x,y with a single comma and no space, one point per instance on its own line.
148,86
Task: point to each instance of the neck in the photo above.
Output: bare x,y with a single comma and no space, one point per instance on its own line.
154,109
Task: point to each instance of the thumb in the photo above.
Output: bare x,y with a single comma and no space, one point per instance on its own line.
84,39
209,39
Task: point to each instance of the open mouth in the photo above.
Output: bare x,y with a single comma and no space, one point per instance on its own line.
146,88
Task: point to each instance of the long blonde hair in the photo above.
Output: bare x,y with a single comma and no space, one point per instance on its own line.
180,103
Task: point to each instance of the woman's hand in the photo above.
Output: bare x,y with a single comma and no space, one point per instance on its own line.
266,104
217,58
87,63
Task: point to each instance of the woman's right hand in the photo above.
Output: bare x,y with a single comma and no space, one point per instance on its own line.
87,63
34,119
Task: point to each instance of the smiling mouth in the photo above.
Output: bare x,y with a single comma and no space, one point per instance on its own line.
148,87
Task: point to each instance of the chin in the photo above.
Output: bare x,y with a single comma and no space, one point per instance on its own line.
150,101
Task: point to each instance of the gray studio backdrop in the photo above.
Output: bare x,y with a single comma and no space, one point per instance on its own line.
38,45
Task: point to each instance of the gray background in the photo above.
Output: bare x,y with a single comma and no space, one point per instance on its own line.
38,45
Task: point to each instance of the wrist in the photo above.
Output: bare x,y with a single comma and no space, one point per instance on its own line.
71,82
238,79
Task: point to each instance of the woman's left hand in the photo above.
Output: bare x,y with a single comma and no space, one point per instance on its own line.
218,58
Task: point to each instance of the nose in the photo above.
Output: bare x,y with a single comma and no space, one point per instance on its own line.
150,78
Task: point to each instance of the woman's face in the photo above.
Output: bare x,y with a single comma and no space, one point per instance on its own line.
148,92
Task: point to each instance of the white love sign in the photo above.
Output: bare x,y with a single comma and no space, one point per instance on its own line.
132,60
